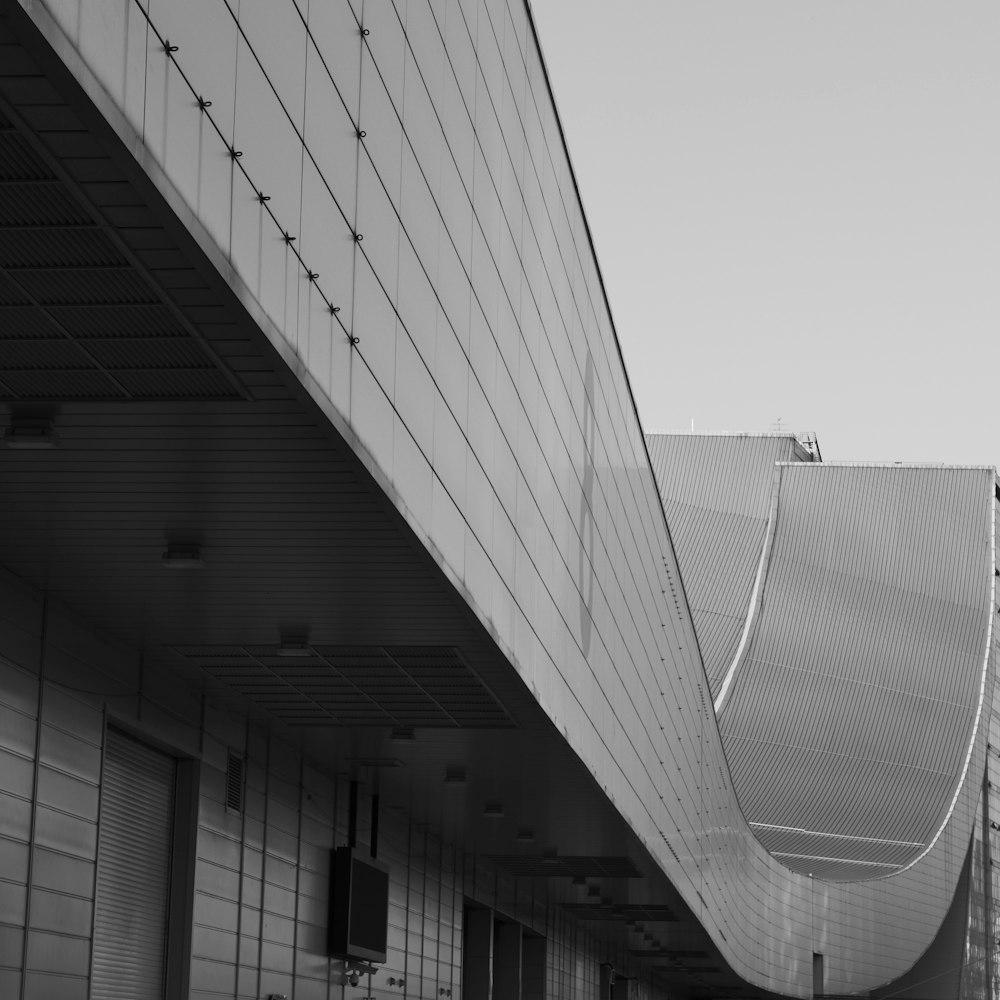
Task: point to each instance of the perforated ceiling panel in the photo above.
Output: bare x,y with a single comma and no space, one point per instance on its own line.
400,686
79,319
638,912
588,866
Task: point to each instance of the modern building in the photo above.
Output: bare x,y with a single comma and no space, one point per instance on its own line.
327,521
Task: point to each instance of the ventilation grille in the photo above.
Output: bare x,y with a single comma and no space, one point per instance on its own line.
234,783
393,686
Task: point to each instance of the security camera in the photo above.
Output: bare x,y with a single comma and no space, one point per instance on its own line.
354,978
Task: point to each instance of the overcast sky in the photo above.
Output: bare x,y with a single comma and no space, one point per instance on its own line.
796,209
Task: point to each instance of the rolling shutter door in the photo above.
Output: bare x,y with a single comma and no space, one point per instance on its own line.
133,865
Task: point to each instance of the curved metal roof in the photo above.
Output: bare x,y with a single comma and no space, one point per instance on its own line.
716,492
853,703
848,709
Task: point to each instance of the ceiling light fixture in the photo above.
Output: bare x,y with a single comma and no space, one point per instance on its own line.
30,432
183,557
294,647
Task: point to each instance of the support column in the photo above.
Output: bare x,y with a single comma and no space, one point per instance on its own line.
507,967
533,968
477,955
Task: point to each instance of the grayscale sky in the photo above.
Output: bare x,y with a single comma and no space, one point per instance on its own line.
796,209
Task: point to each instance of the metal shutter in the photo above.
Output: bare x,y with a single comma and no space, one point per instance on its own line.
133,866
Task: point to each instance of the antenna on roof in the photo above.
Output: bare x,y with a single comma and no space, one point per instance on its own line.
778,427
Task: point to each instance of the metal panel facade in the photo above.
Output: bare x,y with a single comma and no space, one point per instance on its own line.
392,201
716,492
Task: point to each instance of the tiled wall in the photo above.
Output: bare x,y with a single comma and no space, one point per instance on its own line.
260,904
485,390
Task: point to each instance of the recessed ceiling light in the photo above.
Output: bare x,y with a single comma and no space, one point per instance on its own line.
454,776
30,432
526,835
375,761
183,557
293,648
493,809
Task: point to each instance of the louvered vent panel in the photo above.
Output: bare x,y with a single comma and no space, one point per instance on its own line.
130,921
64,269
39,203
143,321
85,246
25,322
147,353
85,286
43,355
18,161
10,294
234,782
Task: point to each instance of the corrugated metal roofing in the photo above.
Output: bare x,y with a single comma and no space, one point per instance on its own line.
847,719
851,710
